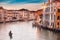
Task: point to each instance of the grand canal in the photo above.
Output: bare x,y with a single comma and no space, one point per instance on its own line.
25,31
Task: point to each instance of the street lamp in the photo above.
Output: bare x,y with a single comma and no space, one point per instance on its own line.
44,5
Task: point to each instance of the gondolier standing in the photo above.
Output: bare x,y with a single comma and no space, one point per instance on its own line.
10,35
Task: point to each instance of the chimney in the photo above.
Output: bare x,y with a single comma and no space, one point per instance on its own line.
1,7
49,1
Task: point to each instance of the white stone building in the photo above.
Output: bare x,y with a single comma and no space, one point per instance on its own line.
49,14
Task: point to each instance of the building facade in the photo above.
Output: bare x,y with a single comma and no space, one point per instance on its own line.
51,14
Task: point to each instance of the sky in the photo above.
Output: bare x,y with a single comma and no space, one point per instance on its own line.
19,4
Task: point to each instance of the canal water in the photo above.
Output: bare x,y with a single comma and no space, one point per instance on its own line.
25,31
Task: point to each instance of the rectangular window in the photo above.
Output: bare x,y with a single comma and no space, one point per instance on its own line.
58,18
58,10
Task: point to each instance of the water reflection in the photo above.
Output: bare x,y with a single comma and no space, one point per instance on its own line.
47,35
25,31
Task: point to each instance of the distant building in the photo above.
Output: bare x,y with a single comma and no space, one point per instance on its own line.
39,15
32,15
24,13
15,15
3,13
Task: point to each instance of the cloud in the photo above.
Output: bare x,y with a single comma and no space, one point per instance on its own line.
20,6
